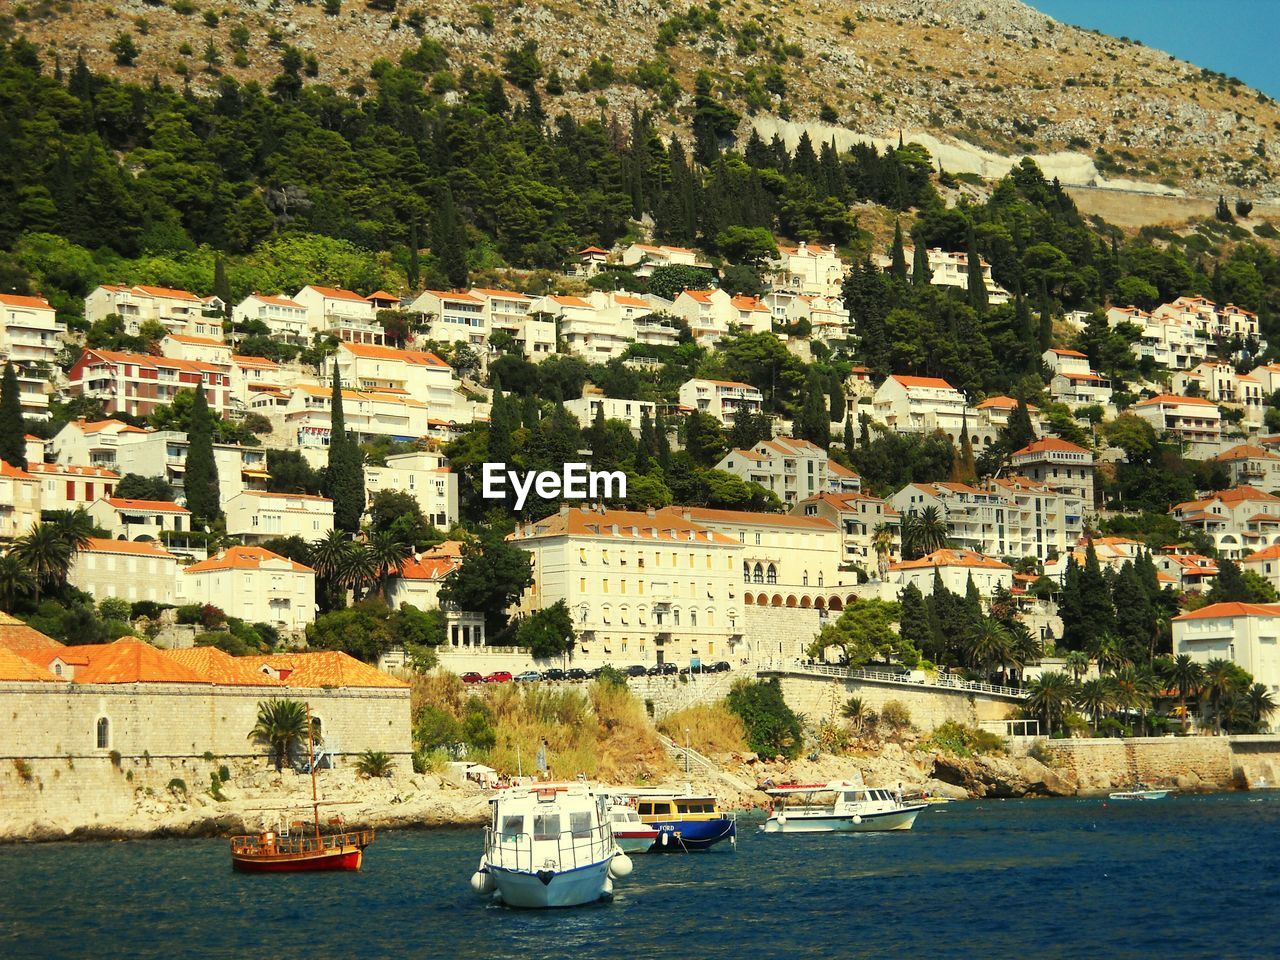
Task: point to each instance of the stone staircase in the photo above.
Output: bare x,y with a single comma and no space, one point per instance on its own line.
703,765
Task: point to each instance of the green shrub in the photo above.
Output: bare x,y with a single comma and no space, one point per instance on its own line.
178,787
375,764
962,740
115,758
189,613
430,761
895,715
612,676
224,774
436,729
772,727
1041,751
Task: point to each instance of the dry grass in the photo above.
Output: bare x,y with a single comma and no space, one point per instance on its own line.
712,727
439,689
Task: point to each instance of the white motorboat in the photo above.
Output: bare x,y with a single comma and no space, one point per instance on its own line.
839,806
631,833
549,845
1139,795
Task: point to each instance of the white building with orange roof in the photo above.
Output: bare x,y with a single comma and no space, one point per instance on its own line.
1239,520
791,469
136,383
642,587
1039,520
178,311
644,258
285,318
340,313
951,269
163,454
602,325
858,516
1060,464
1074,382
827,317
840,479
19,501
721,399
140,519
993,419
1220,383
630,412
1191,420
95,444
420,578
416,373
304,422
68,487
970,512
955,568
423,474
1170,341
180,346
254,584
253,375
712,313
1211,320
454,317
808,269
591,260
512,313
1244,633
129,569
256,515
30,337
1248,463
1265,563
909,404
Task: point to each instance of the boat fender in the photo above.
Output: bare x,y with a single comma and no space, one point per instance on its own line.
620,866
665,837
782,819
857,818
482,882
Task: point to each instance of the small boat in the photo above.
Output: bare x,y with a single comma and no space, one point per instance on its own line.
293,848
686,821
1139,794
840,806
549,845
632,834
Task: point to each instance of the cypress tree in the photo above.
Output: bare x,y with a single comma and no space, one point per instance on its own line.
914,623
344,480
1135,620
897,255
848,434
501,426
449,241
200,480
413,271
1097,613
967,462
221,285
977,289
661,442
598,439
1046,319
13,439
647,437
1071,609
1019,432
921,274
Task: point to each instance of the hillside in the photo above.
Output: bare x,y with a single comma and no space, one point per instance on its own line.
992,74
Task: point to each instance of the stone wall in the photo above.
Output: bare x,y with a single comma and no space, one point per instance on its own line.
664,695
779,633
821,698
1103,764
48,720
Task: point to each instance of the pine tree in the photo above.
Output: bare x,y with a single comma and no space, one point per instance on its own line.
977,288
344,480
449,241
200,478
848,434
661,442
1097,613
921,274
13,438
413,270
897,256
1019,432
501,426
221,285
1071,609
1046,318
597,439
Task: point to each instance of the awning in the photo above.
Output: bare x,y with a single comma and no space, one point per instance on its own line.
256,474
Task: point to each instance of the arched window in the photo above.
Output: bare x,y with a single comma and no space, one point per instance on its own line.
693,618
757,575
746,572
804,580
819,579
772,575
675,617
104,733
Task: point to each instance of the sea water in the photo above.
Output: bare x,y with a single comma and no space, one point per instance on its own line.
1190,876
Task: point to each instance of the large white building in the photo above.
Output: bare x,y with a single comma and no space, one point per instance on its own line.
255,585
1192,420
1239,520
630,412
1074,382
922,405
130,570
642,587
1244,633
792,469
285,318
951,269
425,476
859,517
178,311
808,269
304,419
340,313
643,258
1059,463
29,339
956,568
720,398
1220,383
255,515
417,374
711,314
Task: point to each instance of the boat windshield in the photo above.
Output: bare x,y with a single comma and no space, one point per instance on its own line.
546,826
580,823
624,816
512,827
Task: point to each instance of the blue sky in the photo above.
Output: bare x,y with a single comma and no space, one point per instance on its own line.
1235,37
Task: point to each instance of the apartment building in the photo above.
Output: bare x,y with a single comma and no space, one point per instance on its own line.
859,518
304,420
1074,382
951,269
1060,464
1240,520
140,519
258,585
810,269
414,373
285,318
96,444
340,313
1244,633
1191,420
711,314
630,412
71,487
1219,383
424,475
19,501
132,570
792,469
256,515
909,404
955,568
163,454
1251,465
721,399
137,383
29,339
512,313
644,258
453,317
1170,342
178,311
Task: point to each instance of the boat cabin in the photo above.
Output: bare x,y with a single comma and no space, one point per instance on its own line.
666,809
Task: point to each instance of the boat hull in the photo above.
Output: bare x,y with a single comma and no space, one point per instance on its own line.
637,841
1140,795
351,859
683,835
866,823
569,888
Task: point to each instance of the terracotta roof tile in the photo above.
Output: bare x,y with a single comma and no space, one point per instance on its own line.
327,668
16,667
243,558
16,635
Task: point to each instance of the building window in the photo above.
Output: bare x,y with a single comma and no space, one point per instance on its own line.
746,572
772,575
104,733
757,575
693,618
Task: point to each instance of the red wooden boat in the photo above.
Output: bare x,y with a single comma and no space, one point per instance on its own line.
293,850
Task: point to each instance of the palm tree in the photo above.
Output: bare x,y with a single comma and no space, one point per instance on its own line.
988,645
1094,698
856,712
1025,647
77,528
358,570
932,531
387,552
282,724
1077,663
1133,689
882,544
1219,683
374,764
1107,651
1236,712
327,557
45,554
1261,704
15,581
1187,677
1049,695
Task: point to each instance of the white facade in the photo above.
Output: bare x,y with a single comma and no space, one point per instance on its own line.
955,567
139,519
922,405
858,516
178,311
341,313
255,585
1170,342
644,257
29,338
793,469
711,314
1220,383
305,421
19,501
720,398
420,375
256,515
808,269
285,318
1247,634
72,487
425,476
1074,382
1190,419
1060,464
126,569
629,412
951,269
1239,520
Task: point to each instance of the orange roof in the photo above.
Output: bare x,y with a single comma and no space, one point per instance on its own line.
137,548
936,383
1246,451
730,383
99,425
7,470
1167,398
243,361
72,470
16,667
167,292
277,301
131,661
1270,553
749,303
161,506
16,635
284,496
1050,443
952,558
1067,353
1215,610
326,668
196,341
629,301
500,294
834,468
455,295
243,558
567,301
701,296
591,250
36,303
748,517
335,293
419,358
665,526
1242,493
427,567
218,666
382,295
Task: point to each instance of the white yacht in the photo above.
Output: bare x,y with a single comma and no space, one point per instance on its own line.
837,807
631,833
549,845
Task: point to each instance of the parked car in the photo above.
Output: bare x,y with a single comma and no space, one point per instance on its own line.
594,672
720,666
528,676
498,676
555,673
635,670
663,670
575,673
472,677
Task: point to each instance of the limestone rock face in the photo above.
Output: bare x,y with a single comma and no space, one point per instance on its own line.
993,776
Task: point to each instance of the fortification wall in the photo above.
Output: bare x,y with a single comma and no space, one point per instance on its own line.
1102,764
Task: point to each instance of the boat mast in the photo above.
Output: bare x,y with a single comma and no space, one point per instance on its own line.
311,762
